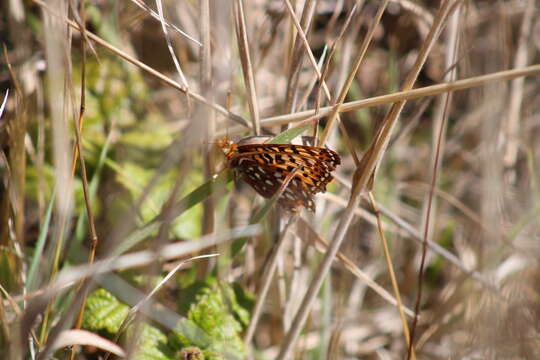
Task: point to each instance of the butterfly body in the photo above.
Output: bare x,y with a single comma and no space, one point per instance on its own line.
266,166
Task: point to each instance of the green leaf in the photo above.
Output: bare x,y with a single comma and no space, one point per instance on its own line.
152,345
245,301
104,312
215,310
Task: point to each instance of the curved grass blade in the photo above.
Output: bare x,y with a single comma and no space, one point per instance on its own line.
195,197
259,215
3,106
200,194
40,244
289,134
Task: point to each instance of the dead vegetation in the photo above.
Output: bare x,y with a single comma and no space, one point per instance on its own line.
117,216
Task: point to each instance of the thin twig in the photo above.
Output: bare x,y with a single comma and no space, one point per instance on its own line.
266,281
404,95
320,77
348,83
391,272
220,109
512,126
79,150
170,46
152,13
362,177
247,67
322,246
296,55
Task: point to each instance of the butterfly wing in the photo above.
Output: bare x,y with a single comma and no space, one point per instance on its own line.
316,163
267,180
266,166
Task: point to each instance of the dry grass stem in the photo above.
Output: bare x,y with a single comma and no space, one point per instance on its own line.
137,136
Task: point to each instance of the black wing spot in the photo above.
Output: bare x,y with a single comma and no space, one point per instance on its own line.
267,157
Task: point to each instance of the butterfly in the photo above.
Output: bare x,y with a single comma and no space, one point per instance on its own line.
266,166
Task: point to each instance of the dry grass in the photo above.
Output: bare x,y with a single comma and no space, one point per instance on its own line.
109,179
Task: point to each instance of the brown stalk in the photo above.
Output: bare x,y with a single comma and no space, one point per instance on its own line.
404,95
442,103
417,236
206,75
170,48
79,150
247,68
513,117
320,77
357,62
56,50
157,16
266,280
361,178
297,55
321,245
16,181
447,7
392,274
326,65
12,207
199,98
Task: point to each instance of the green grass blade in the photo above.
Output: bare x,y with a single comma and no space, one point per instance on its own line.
40,244
80,229
201,193
289,134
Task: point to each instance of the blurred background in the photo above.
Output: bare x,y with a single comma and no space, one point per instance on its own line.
111,113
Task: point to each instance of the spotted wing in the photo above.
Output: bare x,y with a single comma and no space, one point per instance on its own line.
266,180
316,163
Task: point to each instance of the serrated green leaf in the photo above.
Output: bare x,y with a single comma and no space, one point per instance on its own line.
214,309
104,312
152,345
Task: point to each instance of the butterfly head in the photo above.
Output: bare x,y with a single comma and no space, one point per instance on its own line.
227,146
